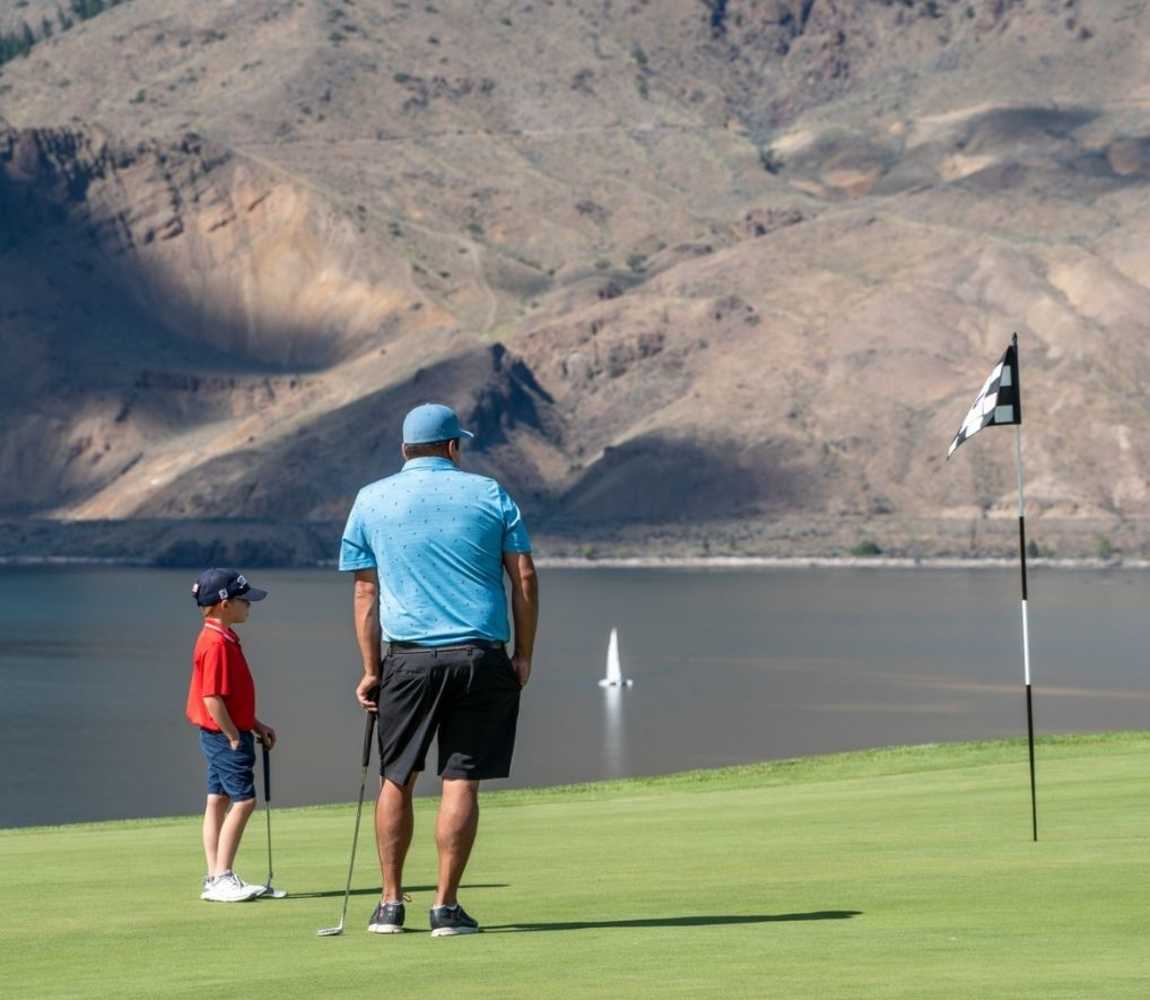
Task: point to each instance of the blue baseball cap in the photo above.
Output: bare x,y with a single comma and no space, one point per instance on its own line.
215,585
432,422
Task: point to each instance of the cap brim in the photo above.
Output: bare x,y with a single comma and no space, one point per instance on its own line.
466,434
253,594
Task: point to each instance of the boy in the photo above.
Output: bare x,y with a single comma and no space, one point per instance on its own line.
222,702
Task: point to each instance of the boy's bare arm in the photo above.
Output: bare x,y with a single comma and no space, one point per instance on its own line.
367,635
219,713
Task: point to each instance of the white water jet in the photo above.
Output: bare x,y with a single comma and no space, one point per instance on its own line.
614,676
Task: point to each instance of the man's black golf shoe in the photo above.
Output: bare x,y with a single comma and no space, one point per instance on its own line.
447,921
387,919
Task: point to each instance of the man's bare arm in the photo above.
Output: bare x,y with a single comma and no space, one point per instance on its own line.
367,634
524,609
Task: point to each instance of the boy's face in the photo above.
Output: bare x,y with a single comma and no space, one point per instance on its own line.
231,611
240,609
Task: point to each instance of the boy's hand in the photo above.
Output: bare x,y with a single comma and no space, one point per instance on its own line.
267,735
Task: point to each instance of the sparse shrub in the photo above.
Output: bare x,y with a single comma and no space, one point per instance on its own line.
1103,548
865,549
15,44
20,41
771,161
718,16
637,262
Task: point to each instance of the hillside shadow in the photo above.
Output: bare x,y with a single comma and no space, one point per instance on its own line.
702,920
327,893
706,482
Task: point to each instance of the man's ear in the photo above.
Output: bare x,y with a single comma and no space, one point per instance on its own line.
403,451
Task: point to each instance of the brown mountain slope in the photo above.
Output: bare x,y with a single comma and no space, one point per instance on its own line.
736,261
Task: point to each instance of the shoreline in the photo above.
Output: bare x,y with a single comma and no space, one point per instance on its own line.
664,562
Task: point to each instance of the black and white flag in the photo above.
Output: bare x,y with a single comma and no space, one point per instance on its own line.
997,404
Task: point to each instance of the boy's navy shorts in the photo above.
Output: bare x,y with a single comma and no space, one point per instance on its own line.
230,772
466,697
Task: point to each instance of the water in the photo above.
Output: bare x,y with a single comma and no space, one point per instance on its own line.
729,666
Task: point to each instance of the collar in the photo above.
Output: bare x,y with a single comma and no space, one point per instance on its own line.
227,633
434,462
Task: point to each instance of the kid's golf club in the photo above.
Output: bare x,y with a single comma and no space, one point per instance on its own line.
367,731
269,891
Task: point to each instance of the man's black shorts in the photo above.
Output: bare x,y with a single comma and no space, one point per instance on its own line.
468,696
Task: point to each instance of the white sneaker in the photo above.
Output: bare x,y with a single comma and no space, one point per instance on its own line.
228,887
207,884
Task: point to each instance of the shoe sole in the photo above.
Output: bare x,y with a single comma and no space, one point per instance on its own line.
384,929
236,899
453,931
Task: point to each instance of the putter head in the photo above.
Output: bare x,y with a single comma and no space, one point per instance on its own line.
270,892
330,931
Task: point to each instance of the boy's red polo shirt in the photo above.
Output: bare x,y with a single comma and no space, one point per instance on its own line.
219,667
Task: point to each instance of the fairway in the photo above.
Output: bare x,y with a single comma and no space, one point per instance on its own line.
906,873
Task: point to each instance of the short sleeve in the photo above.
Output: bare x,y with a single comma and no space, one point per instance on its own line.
214,674
354,550
515,537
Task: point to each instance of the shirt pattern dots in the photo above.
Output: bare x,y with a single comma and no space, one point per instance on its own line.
436,537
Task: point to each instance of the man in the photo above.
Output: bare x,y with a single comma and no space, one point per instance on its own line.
429,547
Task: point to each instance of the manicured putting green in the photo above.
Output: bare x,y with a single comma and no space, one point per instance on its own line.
906,873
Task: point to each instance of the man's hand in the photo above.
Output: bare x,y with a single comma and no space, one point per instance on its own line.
234,743
367,691
265,734
522,667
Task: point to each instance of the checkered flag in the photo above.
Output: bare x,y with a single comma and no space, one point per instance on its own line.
998,402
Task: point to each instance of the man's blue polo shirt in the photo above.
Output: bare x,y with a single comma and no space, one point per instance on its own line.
436,535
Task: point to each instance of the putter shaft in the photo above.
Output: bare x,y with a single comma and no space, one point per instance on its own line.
338,929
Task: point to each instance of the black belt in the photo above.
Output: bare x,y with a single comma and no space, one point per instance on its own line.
415,647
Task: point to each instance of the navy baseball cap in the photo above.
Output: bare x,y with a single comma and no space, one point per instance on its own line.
215,585
432,422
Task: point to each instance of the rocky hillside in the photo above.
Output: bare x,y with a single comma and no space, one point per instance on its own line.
682,263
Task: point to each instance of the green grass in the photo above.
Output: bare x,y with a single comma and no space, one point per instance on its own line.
904,873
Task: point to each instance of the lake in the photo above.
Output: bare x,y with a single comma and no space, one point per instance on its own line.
729,666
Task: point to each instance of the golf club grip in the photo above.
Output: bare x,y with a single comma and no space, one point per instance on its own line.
267,775
367,730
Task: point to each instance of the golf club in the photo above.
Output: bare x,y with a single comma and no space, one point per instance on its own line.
367,731
269,891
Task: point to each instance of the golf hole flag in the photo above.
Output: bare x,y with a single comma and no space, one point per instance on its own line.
997,404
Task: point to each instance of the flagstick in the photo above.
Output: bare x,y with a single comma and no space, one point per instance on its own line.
1025,621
